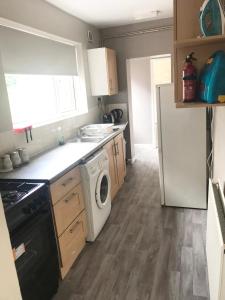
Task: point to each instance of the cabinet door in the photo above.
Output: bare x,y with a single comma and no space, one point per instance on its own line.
120,155
68,208
110,148
71,243
112,71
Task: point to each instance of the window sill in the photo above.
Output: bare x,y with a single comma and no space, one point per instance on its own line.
62,118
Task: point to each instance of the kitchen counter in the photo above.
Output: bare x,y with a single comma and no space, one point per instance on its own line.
50,166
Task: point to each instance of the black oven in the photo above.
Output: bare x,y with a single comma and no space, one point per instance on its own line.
33,242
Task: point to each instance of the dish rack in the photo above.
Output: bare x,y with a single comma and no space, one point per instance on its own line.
97,129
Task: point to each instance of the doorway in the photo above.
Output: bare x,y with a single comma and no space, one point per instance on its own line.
143,75
161,73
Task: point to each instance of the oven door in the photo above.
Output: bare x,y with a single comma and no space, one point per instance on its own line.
36,258
103,188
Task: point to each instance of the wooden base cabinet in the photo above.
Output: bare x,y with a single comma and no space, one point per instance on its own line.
117,164
69,216
72,242
110,148
120,161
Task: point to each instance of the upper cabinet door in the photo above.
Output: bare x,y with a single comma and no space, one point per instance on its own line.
112,72
103,71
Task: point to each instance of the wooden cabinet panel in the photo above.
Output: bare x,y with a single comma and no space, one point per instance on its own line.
112,72
117,163
63,185
68,208
71,242
110,148
121,166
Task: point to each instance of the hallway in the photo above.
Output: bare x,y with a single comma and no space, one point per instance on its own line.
144,251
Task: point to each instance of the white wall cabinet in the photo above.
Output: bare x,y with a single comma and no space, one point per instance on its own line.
103,71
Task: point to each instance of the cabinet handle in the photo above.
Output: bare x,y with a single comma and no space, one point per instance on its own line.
71,197
64,184
75,226
117,149
114,149
110,85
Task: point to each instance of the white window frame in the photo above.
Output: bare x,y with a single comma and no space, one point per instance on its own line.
81,93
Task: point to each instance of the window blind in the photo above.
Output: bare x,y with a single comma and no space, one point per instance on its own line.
24,53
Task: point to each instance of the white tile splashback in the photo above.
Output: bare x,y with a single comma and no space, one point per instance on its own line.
45,137
123,106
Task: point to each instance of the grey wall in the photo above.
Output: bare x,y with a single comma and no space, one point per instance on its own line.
43,16
140,45
141,100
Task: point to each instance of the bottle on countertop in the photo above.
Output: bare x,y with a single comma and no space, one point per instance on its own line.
60,136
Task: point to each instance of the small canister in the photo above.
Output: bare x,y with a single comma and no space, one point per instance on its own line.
6,162
23,153
16,160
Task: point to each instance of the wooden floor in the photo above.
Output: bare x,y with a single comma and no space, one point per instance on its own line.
144,251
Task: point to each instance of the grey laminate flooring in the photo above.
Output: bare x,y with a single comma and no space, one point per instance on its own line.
144,251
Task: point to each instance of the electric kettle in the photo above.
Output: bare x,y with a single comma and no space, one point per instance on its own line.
117,114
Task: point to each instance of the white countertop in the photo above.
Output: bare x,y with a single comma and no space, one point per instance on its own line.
54,163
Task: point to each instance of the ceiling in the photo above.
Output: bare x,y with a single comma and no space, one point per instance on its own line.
106,13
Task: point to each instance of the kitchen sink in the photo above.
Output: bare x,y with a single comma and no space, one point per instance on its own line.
87,139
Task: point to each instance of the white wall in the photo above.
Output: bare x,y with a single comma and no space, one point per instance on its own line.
43,16
9,285
141,100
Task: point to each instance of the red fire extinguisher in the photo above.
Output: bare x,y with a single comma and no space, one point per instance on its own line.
189,79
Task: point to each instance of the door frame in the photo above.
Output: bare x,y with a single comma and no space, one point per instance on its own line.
130,108
154,104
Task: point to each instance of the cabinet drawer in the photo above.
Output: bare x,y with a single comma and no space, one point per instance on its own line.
64,184
71,242
68,208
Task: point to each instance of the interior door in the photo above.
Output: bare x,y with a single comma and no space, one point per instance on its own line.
214,246
160,72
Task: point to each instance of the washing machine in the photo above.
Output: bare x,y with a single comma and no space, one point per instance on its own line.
97,187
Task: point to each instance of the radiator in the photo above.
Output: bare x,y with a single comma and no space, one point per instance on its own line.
215,242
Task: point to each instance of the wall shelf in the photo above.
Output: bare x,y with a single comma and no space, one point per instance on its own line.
186,31
197,104
199,41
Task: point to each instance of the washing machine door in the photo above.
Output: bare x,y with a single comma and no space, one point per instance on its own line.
103,188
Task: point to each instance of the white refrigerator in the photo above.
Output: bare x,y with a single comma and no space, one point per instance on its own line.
182,152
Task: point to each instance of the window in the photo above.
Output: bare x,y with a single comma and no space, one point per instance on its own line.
42,78
40,99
